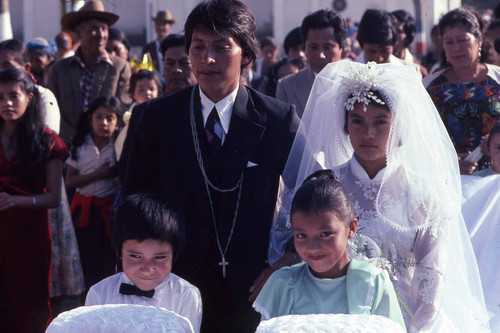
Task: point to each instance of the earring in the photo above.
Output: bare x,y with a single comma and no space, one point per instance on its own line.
480,53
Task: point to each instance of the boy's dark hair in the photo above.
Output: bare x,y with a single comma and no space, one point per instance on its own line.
292,39
172,40
16,47
409,26
84,126
139,75
32,141
322,19
148,216
323,192
377,27
268,41
229,17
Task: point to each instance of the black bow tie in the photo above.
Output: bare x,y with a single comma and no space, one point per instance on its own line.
130,289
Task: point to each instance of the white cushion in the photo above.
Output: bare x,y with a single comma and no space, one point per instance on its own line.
339,323
119,318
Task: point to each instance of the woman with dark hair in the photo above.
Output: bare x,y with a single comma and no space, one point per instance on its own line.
467,91
31,159
406,29
281,69
118,44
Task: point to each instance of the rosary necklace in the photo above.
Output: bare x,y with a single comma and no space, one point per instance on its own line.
209,185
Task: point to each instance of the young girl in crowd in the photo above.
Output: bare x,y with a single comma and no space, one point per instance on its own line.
328,281
377,127
493,150
31,160
91,170
144,85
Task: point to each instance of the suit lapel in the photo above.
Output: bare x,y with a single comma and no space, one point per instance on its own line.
242,139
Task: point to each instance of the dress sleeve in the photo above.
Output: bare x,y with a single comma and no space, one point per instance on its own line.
191,306
385,301
276,297
58,149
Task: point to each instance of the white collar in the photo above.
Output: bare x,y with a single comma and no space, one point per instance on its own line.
224,108
361,174
159,290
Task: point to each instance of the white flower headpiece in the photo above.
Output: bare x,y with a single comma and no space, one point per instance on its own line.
359,83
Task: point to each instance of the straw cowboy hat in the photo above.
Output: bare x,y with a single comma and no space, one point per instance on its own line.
92,9
164,16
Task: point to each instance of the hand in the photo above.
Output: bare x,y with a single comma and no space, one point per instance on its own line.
259,282
466,167
105,171
7,201
484,145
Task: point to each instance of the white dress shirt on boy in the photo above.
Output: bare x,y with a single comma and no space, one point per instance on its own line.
174,294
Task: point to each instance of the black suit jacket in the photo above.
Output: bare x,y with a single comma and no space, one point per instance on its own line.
163,159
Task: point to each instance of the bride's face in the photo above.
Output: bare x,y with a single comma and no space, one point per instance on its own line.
369,131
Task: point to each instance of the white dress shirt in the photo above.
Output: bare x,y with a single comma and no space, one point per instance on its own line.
174,294
224,109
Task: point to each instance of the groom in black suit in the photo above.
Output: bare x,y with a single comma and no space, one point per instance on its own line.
217,151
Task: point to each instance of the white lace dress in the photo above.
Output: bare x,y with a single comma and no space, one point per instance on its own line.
413,259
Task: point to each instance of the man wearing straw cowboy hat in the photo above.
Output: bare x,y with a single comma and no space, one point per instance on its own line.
91,72
163,24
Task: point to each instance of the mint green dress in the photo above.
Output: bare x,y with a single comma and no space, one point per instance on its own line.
365,289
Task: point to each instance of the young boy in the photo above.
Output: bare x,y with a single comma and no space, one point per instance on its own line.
148,236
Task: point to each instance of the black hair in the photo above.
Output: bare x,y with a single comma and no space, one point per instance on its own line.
493,25
139,75
33,143
325,18
494,130
409,26
435,30
377,27
229,17
323,192
118,35
16,47
148,216
272,82
172,40
84,126
268,41
472,24
292,39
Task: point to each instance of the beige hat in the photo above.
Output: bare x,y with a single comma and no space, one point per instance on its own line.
164,16
93,9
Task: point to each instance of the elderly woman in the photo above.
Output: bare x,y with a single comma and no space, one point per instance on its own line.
467,91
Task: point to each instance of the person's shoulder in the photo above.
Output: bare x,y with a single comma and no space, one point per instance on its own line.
268,104
182,284
428,80
166,104
365,267
106,284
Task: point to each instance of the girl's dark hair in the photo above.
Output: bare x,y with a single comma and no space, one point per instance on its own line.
409,25
472,24
229,17
84,126
139,75
32,141
148,216
323,192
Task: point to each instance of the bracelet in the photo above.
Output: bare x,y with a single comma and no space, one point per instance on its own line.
34,200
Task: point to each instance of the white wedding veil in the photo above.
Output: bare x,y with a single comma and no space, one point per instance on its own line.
421,166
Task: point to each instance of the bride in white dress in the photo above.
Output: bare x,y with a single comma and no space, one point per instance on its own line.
377,128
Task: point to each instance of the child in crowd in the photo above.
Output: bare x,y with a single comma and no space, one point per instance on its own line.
144,85
31,160
148,236
328,281
91,170
493,150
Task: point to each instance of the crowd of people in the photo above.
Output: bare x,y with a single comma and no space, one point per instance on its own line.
232,186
